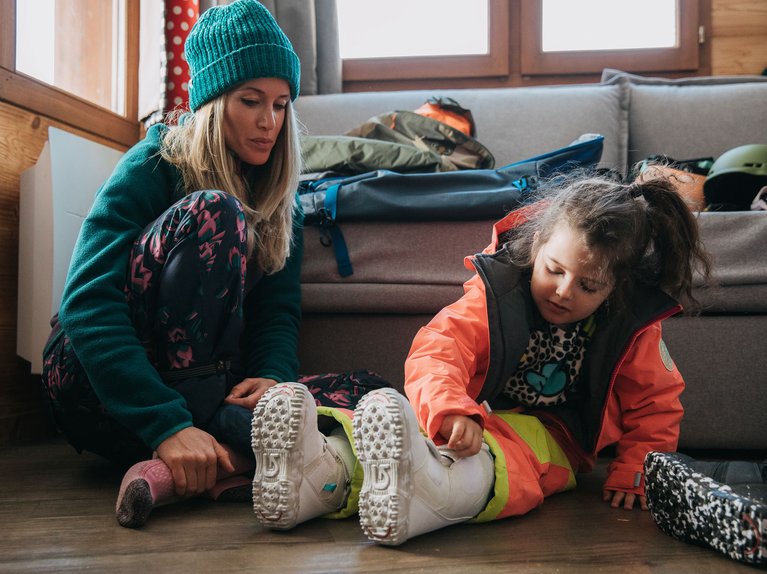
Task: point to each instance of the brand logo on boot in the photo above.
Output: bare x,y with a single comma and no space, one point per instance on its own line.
272,464
382,476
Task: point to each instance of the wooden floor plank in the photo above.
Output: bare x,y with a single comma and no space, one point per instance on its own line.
57,515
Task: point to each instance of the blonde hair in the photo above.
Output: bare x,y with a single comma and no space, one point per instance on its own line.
196,146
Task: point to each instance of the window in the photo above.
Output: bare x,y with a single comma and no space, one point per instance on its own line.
54,38
74,61
513,42
568,26
360,36
586,36
423,39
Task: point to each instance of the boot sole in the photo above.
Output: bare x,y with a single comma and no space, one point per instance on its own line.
695,508
379,429
277,422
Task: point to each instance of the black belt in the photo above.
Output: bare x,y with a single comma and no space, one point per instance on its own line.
217,368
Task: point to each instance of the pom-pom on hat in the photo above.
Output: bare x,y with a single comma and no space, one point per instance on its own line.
233,43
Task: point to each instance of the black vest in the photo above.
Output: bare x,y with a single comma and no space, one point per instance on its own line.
510,321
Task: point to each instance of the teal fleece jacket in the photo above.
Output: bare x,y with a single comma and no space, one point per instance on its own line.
94,313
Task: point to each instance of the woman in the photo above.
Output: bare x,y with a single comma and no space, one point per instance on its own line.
182,301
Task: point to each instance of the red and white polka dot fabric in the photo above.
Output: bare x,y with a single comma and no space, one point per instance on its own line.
180,16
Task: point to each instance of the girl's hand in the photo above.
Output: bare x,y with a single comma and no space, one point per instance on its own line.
625,499
463,434
193,457
247,392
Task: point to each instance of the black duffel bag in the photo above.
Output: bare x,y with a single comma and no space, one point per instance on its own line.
456,195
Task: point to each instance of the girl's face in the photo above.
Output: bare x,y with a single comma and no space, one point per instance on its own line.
568,284
254,113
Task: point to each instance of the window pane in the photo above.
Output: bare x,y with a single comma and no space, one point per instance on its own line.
401,28
608,24
75,45
34,39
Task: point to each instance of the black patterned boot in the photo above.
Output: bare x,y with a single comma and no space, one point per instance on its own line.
687,503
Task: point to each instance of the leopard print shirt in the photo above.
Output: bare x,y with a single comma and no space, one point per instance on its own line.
548,370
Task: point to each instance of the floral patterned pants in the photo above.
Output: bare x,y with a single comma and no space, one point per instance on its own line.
184,287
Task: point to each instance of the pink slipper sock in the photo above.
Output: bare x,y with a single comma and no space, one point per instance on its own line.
146,484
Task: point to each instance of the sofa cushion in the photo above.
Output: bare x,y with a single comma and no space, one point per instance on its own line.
692,117
513,123
735,240
399,267
611,76
722,361
417,267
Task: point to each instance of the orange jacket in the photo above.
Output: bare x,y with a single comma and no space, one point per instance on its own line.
635,387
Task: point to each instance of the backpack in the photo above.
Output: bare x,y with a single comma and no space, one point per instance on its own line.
456,149
450,112
438,136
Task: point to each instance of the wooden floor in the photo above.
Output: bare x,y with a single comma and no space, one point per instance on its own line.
57,515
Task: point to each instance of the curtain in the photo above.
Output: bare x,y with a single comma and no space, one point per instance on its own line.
163,71
180,16
312,26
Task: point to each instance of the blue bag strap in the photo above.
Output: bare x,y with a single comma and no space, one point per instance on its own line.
331,200
340,250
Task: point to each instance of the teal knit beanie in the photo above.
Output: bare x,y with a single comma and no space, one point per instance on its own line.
233,43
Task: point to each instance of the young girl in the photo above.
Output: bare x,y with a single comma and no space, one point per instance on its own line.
182,302
553,353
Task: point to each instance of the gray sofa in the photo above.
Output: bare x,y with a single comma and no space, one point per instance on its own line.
405,272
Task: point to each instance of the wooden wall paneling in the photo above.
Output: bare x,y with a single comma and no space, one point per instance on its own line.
22,136
733,55
738,36
739,18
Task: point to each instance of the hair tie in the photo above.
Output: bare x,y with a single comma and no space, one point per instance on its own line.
636,190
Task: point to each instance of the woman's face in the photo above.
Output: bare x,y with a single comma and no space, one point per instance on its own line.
254,113
568,284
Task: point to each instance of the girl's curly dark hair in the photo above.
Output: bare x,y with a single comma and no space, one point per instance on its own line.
642,232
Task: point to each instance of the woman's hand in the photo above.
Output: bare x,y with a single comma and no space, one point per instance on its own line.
624,499
463,434
193,457
247,392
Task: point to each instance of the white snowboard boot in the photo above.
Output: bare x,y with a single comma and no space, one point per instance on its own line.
410,487
298,476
